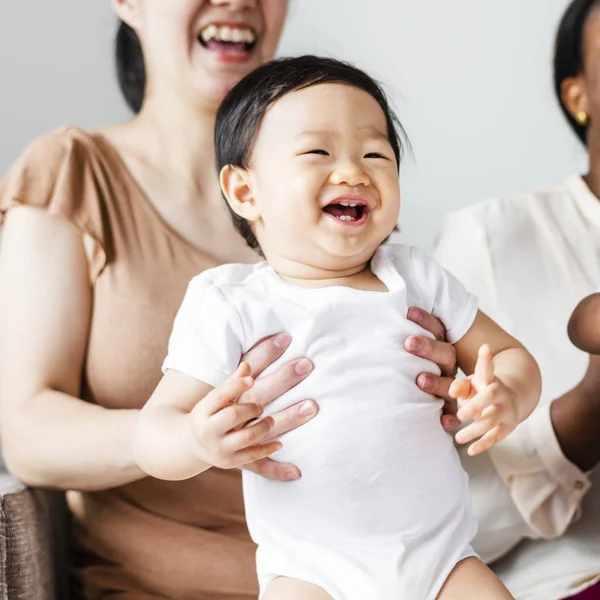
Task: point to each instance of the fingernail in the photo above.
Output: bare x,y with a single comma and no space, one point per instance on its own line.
413,343
424,382
461,414
303,367
307,409
415,315
292,474
283,340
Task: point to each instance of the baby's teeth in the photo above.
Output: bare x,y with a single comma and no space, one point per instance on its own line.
353,204
210,33
248,36
226,34
238,35
345,203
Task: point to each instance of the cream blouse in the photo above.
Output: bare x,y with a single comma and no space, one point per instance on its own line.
530,259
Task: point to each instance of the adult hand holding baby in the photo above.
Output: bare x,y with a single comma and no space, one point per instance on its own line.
224,428
268,388
443,354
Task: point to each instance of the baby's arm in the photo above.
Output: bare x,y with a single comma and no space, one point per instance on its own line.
503,387
188,426
584,325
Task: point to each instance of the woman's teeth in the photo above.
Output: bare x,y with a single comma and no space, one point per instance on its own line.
225,33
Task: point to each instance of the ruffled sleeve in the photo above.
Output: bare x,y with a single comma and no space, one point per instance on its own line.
58,172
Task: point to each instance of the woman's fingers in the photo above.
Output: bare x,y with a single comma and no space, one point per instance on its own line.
433,384
441,353
428,322
269,387
491,438
450,421
293,417
271,469
484,367
267,351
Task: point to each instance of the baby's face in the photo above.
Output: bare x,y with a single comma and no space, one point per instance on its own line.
324,178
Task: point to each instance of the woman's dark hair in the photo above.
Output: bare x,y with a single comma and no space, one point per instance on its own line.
244,107
131,70
568,54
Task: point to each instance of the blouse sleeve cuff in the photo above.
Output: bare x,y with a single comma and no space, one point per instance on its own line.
545,486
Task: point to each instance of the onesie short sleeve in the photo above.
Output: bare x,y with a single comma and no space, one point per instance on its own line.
443,295
434,289
207,338
57,173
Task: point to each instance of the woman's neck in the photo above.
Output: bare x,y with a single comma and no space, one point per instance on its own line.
174,139
592,179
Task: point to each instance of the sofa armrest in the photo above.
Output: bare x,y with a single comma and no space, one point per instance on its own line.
32,543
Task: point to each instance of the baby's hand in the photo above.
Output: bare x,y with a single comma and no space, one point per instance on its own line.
584,325
491,405
221,432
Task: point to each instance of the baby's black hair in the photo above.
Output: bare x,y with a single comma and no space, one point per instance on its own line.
241,112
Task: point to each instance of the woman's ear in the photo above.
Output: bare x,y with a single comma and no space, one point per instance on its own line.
128,11
574,96
237,188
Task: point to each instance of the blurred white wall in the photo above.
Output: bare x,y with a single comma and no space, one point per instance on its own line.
471,80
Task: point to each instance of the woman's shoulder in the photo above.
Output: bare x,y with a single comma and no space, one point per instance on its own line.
512,210
50,149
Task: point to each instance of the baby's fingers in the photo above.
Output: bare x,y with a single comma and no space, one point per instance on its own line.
478,403
234,417
228,393
484,367
248,436
491,438
476,429
254,453
460,388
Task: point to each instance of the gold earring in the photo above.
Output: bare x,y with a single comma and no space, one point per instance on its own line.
582,118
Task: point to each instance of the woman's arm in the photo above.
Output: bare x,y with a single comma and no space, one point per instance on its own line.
50,437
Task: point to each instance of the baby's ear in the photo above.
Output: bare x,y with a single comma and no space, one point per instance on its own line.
237,189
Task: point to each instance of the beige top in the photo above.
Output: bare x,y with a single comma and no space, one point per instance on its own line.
530,259
149,538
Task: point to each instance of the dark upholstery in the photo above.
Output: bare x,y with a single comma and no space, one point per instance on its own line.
33,549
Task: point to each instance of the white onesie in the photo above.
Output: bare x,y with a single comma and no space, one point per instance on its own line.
382,509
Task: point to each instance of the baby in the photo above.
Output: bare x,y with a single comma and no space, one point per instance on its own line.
308,152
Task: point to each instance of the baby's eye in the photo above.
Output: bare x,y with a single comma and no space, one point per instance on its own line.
375,155
318,151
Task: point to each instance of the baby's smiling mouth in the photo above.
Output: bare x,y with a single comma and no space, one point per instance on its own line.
228,39
348,211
